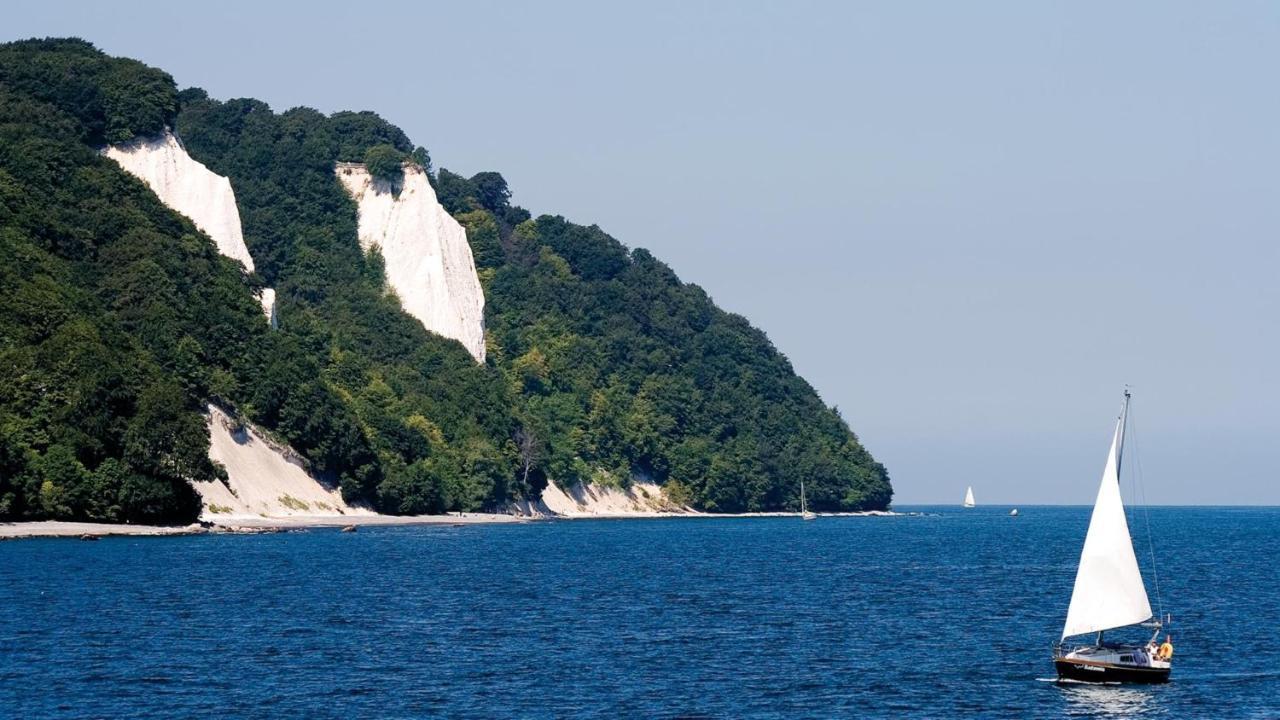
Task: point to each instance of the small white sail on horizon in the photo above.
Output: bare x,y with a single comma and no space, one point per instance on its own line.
968,498
804,505
1109,591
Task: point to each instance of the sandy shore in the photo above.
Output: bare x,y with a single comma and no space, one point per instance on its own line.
309,521
56,528
606,515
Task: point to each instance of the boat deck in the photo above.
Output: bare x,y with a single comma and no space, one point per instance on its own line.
1112,663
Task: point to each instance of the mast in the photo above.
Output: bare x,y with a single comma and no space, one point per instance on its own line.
804,508
1123,426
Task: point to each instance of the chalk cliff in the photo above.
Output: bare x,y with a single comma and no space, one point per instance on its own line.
265,479
192,189
428,260
268,299
641,499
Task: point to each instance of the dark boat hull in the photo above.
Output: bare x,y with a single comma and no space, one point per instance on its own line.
1084,671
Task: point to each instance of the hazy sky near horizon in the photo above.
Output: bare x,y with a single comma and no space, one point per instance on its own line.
968,225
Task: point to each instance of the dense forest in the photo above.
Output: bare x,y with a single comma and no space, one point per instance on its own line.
119,321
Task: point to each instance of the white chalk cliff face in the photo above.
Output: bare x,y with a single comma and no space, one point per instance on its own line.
192,189
264,479
641,499
428,259
268,299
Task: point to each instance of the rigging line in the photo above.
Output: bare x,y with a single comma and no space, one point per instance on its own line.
1136,475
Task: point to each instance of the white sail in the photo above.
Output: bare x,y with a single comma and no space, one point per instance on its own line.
1108,592
968,497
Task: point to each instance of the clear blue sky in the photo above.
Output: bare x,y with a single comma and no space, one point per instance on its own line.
967,224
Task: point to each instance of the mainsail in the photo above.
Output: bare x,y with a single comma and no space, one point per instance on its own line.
968,497
1108,592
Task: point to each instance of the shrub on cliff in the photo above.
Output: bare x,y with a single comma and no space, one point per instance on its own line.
385,163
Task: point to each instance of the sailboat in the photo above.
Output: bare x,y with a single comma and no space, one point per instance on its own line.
804,506
968,498
1109,592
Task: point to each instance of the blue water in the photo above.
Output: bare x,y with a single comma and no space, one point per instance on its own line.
951,613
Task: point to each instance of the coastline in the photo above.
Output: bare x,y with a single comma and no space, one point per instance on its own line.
694,514
60,528
254,525
66,529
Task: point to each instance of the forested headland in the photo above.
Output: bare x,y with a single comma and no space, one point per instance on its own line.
120,322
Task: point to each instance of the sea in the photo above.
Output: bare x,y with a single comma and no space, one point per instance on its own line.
936,612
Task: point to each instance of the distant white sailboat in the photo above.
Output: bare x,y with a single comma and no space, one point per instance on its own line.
804,506
968,498
1014,512
1109,592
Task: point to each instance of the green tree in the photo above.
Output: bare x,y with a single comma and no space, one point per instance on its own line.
385,164
167,440
491,191
484,236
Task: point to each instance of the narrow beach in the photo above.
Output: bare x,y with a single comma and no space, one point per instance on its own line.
58,528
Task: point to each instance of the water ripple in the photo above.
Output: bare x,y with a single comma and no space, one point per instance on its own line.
940,614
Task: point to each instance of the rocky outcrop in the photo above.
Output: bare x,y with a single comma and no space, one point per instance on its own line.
264,478
428,260
192,189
